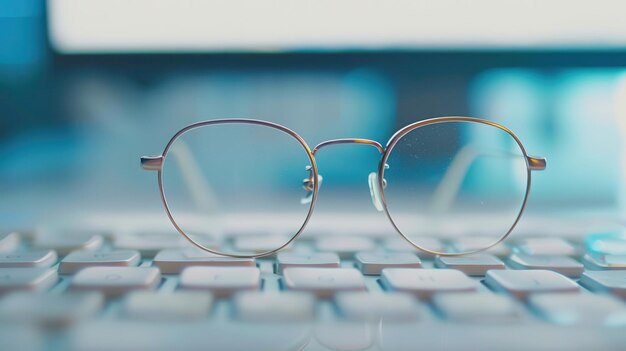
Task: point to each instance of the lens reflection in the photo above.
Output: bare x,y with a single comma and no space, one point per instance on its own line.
244,180
453,180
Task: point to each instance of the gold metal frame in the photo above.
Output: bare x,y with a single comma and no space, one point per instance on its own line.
155,163
532,164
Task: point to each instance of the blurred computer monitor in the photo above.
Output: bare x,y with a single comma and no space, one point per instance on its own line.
287,25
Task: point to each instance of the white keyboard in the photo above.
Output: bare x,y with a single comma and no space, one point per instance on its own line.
156,292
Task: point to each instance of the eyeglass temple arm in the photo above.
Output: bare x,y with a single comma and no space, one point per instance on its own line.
151,163
451,182
536,163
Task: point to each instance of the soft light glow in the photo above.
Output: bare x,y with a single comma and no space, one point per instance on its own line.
270,25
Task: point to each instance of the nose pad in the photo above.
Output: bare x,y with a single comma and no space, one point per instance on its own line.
307,184
372,181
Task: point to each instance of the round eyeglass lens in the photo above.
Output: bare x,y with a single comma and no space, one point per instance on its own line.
237,188
455,186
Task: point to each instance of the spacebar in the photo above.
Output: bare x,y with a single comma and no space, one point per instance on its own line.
188,336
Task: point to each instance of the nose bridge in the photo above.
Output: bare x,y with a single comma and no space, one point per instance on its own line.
373,143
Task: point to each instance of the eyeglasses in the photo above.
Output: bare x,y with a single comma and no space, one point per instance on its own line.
458,178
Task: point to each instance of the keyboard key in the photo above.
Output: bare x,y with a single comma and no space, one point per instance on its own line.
317,259
401,245
150,243
560,264
64,244
371,307
113,281
78,260
221,281
477,308
546,247
323,282
28,259
522,283
472,243
585,309
426,282
615,261
50,310
174,306
9,242
607,243
605,262
609,247
372,263
255,244
611,281
274,306
39,279
345,246
175,261
472,265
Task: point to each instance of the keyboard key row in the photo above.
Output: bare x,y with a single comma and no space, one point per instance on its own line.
323,282
531,246
369,263
60,310
149,243
171,239
548,293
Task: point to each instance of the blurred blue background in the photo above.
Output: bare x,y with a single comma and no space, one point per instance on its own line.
76,112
